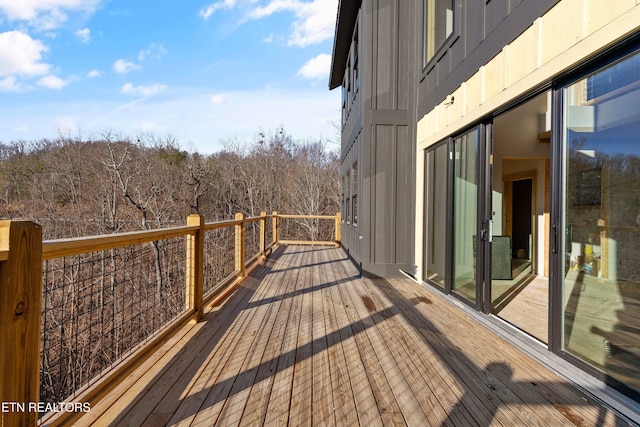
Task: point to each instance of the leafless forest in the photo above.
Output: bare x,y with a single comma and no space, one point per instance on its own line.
75,187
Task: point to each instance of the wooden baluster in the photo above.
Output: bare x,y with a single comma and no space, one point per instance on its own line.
20,311
239,248
274,226
195,267
263,232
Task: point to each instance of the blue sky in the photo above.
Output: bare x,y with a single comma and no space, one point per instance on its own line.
200,71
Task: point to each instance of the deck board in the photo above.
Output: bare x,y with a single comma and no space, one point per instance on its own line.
322,393
306,341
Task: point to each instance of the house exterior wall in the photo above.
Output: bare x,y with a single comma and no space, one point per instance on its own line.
379,134
534,58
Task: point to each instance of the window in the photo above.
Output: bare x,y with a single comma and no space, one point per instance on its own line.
344,198
354,193
437,27
356,81
349,85
346,93
351,81
344,100
348,197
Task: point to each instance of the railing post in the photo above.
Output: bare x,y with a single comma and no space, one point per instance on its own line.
195,266
274,227
263,232
20,310
338,232
239,252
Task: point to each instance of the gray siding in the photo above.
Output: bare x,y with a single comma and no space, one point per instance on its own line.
378,133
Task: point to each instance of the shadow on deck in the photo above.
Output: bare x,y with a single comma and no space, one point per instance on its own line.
307,341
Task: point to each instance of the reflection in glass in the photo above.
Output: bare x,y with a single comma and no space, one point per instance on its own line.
602,222
465,214
435,214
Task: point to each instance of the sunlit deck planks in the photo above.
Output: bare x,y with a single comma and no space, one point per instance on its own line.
307,341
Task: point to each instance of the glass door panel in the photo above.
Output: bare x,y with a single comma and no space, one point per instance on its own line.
465,251
519,200
435,218
601,287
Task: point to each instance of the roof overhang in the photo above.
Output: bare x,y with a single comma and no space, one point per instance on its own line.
346,21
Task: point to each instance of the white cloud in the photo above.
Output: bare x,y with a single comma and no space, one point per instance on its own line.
149,90
210,9
269,38
44,14
9,84
84,35
219,98
94,73
123,67
314,21
21,55
52,82
317,68
156,51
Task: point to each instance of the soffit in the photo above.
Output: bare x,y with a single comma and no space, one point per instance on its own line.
345,23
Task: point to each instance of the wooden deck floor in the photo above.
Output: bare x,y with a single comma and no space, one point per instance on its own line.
307,341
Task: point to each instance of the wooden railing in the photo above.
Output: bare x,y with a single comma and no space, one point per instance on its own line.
218,256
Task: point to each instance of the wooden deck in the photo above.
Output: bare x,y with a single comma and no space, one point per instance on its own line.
307,341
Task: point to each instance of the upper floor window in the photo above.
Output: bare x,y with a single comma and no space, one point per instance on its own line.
348,196
356,80
438,26
344,101
345,190
354,193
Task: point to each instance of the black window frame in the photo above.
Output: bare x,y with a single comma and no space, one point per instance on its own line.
429,63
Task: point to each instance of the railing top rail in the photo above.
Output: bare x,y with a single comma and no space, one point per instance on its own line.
256,218
232,222
74,246
307,216
221,224
68,247
4,255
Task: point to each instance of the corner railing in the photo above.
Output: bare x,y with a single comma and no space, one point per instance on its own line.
78,314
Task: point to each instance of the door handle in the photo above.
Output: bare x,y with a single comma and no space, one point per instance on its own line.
486,231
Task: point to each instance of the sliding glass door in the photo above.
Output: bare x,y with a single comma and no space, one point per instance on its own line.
466,250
